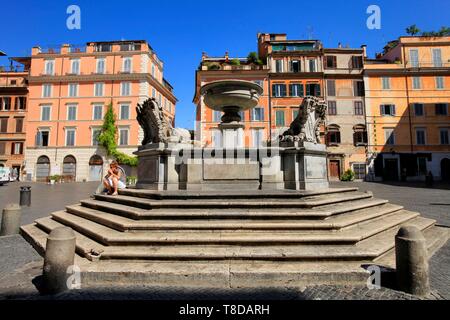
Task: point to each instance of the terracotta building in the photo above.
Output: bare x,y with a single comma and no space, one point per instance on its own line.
13,112
346,124
288,70
256,121
69,90
407,101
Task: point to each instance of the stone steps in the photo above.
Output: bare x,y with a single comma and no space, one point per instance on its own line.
220,274
109,236
251,239
436,237
308,202
121,223
230,194
364,250
127,210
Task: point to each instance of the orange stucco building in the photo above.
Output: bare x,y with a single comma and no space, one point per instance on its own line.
69,91
13,112
407,101
284,87
289,70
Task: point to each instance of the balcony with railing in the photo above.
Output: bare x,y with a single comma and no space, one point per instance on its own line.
211,66
13,69
428,64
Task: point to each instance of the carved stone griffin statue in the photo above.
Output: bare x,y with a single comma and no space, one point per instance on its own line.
157,128
306,126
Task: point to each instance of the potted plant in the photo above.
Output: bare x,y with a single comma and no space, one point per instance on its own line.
131,180
348,175
54,178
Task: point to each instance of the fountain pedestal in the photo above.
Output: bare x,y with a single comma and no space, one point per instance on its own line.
293,166
232,134
291,163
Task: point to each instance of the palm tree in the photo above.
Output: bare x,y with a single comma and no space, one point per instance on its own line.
412,30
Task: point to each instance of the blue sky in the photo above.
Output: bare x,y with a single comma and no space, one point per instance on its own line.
180,30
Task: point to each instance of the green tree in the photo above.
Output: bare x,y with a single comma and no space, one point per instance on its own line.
108,136
253,58
412,30
443,32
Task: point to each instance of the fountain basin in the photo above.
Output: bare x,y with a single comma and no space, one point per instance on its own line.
236,95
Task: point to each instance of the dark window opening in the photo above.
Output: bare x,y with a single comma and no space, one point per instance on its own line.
313,89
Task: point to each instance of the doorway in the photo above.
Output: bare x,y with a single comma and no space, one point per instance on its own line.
69,169
95,168
335,169
445,169
42,169
390,170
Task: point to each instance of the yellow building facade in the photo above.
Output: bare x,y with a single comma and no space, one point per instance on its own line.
407,110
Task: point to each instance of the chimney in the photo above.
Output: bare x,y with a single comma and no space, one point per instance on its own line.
204,56
65,48
364,48
339,45
35,50
226,56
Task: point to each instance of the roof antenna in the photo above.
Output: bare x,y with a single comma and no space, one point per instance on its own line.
310,32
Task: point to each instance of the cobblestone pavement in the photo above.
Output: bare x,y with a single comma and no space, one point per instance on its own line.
20,264
46,198
432,203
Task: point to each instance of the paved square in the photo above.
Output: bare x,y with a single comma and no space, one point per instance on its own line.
20,263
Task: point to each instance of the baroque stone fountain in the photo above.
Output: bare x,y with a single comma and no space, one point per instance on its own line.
296,161
231,97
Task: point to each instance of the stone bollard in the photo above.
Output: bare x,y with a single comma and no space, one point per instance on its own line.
411,256
59,256
11,220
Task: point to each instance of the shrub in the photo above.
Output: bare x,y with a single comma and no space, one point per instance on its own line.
235,62
55,177
214,66
253,58
348,175
131,180
107,139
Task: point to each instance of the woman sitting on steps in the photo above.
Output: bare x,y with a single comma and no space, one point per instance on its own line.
112,180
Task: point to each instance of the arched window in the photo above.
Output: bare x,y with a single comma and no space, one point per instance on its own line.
95,168
96,160
69,168
42,169
359,135
333,135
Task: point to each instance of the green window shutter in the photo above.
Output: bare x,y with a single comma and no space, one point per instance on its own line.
279,118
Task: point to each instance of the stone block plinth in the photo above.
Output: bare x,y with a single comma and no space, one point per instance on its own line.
294,166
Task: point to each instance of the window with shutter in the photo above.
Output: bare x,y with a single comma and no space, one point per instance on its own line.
19,125
332,108
2,148
359,108
331,88
437,58
4,125
279,118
